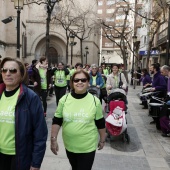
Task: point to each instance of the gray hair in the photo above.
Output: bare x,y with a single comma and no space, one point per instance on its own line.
94,65
165,67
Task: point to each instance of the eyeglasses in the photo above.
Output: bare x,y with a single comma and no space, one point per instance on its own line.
11,70
83,80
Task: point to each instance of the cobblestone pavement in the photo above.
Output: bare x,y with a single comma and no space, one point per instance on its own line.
147,149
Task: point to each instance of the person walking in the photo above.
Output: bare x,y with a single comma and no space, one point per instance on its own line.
103,88
116,79
80,124
23,130
34,77
60,85
96,79
45,75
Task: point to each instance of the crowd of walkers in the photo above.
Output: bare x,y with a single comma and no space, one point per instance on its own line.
23,107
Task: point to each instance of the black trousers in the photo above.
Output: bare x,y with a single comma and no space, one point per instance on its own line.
44,99
7,162
81,161
59,93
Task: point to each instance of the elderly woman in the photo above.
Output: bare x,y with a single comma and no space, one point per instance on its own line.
96,79
23,130
116,79
80,124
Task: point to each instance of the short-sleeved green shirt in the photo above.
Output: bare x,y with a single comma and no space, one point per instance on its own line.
7,123
80,134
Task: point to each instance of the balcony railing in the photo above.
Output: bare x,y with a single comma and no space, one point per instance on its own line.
162,37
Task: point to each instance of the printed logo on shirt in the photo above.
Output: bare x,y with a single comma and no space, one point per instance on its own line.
7,116
80,116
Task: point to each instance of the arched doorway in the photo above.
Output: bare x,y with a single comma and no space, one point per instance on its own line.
53,56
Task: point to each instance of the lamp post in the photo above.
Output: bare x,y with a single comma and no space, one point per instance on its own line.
87,52
72,43
133,60
18,4
168,35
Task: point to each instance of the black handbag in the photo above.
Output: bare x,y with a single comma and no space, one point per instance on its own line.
120,82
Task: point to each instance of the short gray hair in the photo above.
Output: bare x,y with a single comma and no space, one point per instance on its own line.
165,67
94,65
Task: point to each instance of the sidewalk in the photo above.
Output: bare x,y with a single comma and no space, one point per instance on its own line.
147,150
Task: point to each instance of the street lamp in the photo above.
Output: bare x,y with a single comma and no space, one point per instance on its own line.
18,4
168,35
86,53
72,43
134,40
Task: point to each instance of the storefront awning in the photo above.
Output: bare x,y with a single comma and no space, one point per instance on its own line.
153,52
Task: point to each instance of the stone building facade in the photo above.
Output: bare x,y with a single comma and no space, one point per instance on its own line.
33,34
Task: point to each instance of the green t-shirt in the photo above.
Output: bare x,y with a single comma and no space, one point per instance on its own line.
80,134
7,123
42,73
60,78
72,71
94,80
105,71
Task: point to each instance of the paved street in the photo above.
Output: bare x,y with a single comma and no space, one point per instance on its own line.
147,150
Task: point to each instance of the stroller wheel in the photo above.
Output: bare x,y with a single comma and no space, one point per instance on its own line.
126,138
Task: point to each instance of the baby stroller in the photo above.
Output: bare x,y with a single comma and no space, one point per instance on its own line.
94,91
116,123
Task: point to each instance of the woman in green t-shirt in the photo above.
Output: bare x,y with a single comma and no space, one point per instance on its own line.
80,124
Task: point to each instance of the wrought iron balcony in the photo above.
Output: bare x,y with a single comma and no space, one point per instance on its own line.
162,37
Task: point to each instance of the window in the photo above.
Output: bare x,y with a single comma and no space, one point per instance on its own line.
110,2
109,19
108,44
109,11
99,11
100,3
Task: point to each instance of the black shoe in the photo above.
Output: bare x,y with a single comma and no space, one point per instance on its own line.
165,135
144,107
152,122
140,103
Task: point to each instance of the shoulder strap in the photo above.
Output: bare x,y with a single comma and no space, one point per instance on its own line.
94,100
120,77
66,98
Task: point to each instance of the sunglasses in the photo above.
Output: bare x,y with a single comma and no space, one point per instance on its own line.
83,80
11,70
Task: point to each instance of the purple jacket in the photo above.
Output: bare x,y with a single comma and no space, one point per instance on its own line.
159,82
146,79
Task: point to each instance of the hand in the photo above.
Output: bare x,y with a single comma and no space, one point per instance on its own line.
54,146
101,145
35,83
98,86
152,89
32,168
49,86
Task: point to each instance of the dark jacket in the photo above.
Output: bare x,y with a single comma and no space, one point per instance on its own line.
30,129
146,79
99,80
159,82
34,76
